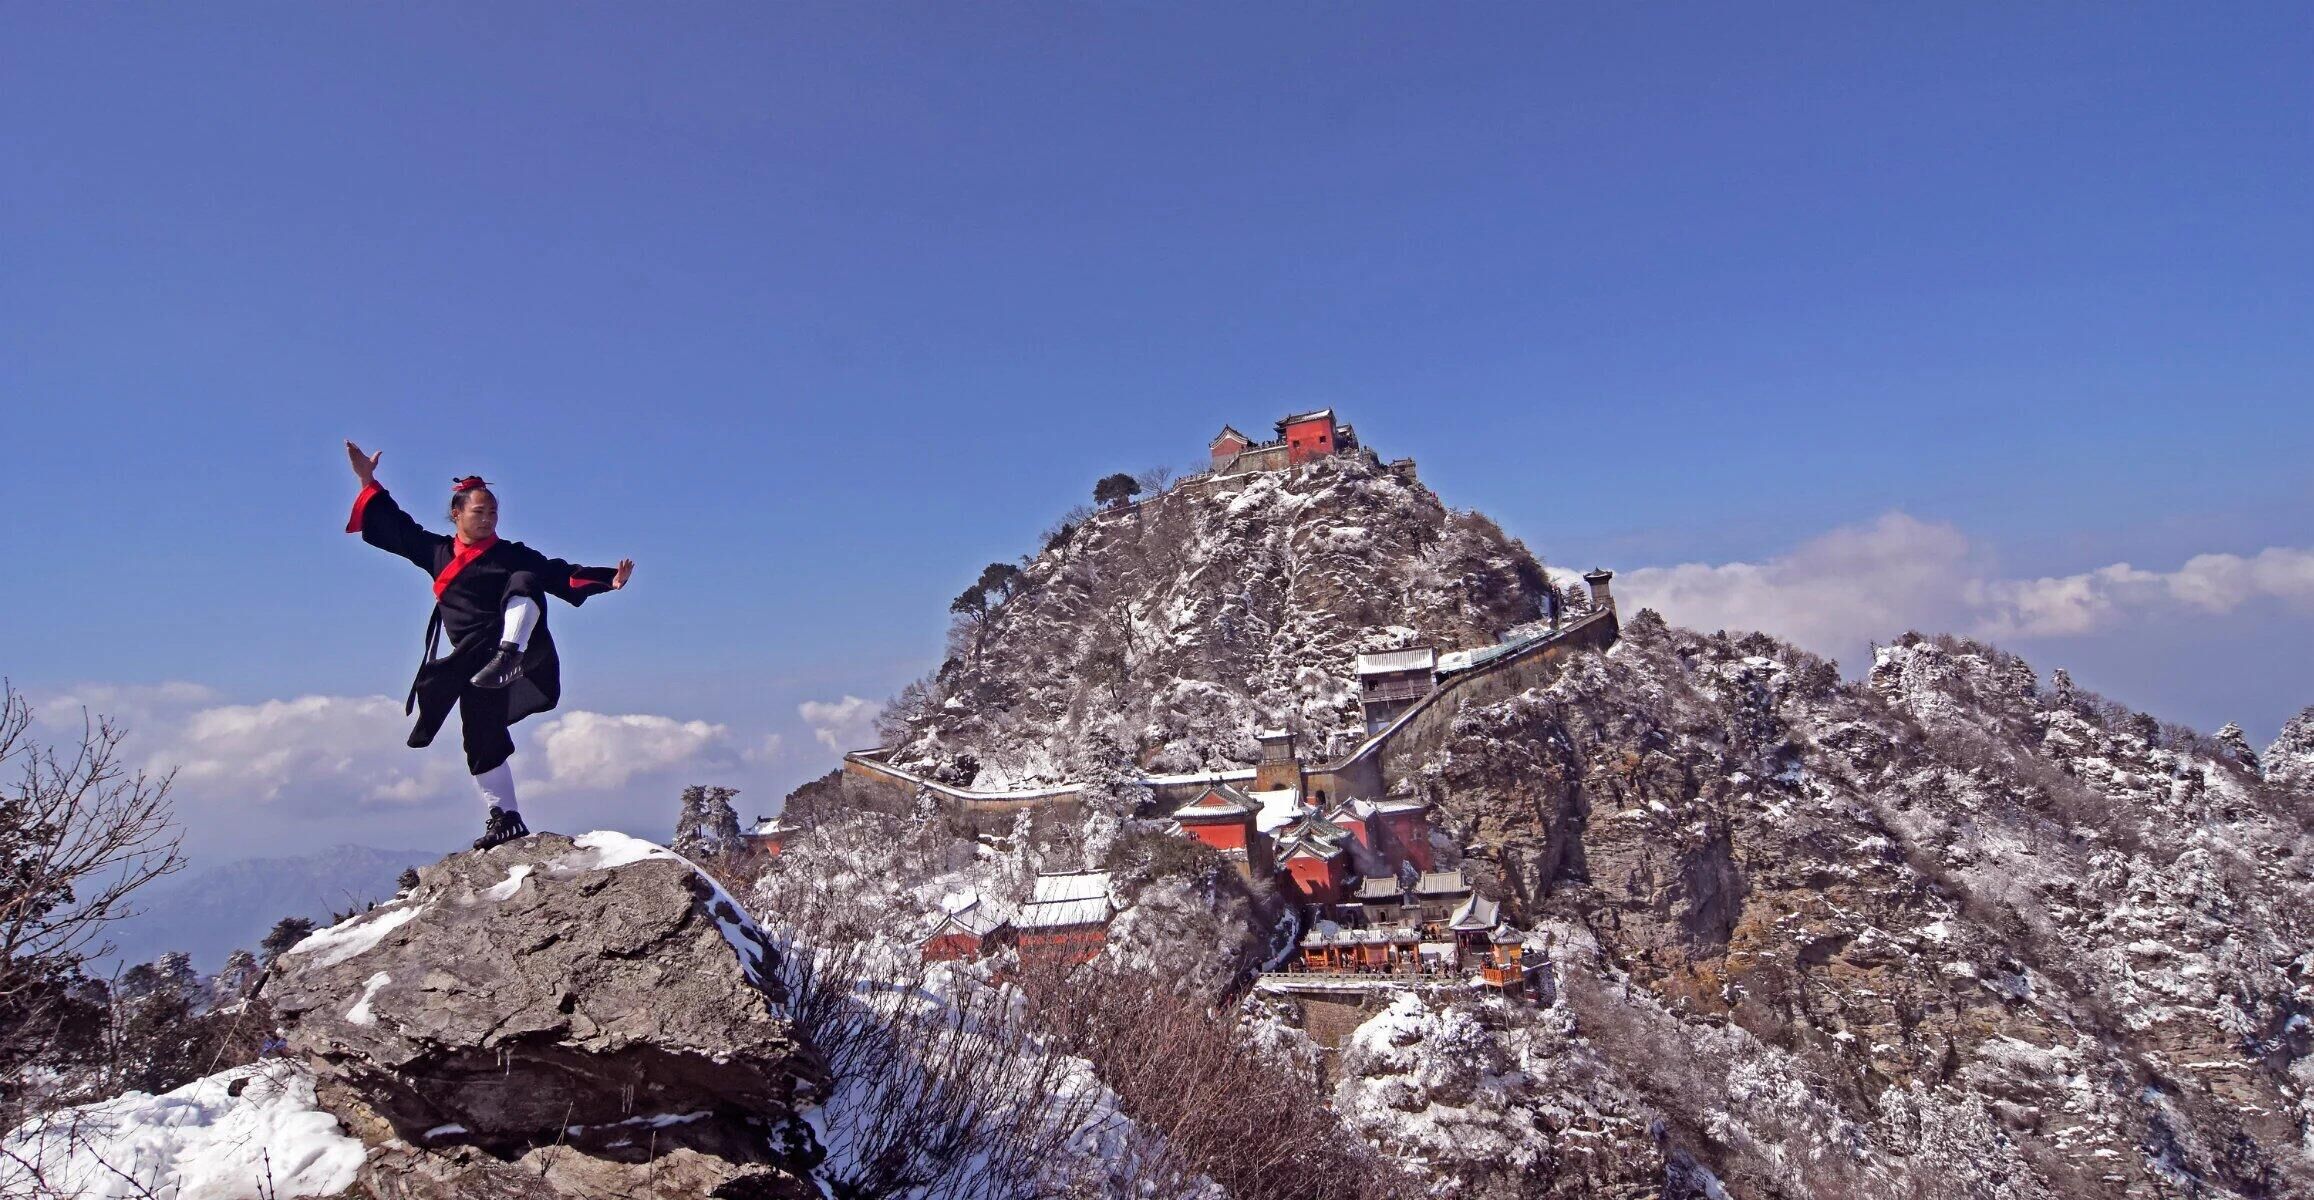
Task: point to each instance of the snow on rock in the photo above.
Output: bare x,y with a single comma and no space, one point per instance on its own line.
604,985
254,1131
1161,639
355,935
2289,762
1837,921
606,849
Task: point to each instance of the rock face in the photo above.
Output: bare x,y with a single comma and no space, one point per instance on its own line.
1941,932
2290,760
1169,634
556,1017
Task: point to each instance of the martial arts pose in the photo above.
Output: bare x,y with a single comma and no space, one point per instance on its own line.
489,597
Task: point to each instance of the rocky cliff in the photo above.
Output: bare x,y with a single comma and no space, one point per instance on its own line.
552,1017
1944,931
1164,636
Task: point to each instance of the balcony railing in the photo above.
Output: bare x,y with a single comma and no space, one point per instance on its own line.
1397,689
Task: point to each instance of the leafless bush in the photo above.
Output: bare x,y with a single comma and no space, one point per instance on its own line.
943,1089
79,833
1207,1105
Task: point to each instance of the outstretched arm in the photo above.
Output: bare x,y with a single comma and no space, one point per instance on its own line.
576,583
380,521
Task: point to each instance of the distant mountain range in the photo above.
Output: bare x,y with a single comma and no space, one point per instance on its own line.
208,912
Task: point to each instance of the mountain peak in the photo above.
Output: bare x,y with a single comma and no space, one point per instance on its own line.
1160,635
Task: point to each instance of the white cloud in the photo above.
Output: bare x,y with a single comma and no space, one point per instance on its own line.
596,750
842,725
282,775
1872,582
311,747
766,749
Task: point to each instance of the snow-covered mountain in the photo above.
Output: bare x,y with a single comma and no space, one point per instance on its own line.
1953,928
1944,931
1168,633
209,912
1950,929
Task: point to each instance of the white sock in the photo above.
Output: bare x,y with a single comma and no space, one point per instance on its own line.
497,787
521,618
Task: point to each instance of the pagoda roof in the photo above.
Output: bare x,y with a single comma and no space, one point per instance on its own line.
1218,802
971,923
1314,837
1441,883
1322,414
1476,913
1227,431
1380,887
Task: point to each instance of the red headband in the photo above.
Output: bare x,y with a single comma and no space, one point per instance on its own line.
467,484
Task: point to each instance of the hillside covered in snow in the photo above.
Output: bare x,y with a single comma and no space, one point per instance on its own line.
1950,930
1162,636
1953,928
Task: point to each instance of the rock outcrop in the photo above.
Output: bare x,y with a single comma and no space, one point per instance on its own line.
2289,762
556,1017
1941,932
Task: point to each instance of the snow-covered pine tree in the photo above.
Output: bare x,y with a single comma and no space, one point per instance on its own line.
2238,746
708,827
2289,762
233,980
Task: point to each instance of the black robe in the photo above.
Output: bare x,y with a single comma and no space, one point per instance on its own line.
471,587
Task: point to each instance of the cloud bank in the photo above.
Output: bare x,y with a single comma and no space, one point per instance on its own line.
287,775
842,725
1856,584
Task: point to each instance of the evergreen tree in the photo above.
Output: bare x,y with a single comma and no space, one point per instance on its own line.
287,932
1116,489
233,980
2238,747
999,580
407,880
707,827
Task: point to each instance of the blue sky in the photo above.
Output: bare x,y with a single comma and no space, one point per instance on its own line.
814,310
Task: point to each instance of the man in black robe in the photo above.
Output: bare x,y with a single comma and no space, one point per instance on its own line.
489,599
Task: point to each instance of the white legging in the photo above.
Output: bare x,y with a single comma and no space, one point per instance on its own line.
521,618
497,783
497,787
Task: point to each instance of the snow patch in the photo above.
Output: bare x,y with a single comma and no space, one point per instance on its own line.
360,1013
199,1142
356,935
505,888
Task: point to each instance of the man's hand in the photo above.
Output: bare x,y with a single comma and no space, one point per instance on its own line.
626,568
365,465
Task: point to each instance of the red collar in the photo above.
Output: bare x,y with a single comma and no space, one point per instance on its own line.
467,552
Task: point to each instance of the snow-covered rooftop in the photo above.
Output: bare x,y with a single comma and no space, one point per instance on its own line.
1388,662
1419,658
1279,808
1220,800
1073,885
1441,883
1056,914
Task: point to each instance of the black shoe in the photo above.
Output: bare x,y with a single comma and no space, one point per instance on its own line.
500,827
503,668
